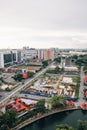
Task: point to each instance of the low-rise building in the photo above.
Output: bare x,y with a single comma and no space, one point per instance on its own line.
85,80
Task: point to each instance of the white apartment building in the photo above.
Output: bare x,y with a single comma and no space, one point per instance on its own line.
40,54
28,53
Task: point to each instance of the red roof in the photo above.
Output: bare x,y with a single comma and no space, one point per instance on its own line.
18,105
86,93
24,76
70,102
84,105
85,78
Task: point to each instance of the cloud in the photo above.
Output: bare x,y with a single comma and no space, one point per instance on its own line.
61,23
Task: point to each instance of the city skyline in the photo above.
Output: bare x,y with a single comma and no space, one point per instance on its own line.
43,24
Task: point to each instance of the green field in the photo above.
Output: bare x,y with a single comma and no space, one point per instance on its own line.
29,67
76,79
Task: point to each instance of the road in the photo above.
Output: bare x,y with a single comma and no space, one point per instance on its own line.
28,81
82,86
25,84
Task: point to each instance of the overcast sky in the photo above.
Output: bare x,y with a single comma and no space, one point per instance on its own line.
43,23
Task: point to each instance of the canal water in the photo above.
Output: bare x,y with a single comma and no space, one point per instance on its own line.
51,122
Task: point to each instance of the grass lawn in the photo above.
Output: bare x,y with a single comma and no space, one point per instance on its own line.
42,76
76,79
29,67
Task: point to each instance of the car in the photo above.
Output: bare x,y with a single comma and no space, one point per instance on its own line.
25,95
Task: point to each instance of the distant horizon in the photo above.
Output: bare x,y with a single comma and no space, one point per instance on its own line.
45,48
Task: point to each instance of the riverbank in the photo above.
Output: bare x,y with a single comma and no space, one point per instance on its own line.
40,116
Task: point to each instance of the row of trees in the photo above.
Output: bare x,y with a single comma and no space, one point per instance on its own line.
57,70
81,60
85,69
54,71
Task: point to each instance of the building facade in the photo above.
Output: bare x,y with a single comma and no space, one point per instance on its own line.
28,53
40,54
48,54
9,57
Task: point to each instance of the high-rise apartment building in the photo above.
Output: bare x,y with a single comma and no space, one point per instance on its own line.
48,54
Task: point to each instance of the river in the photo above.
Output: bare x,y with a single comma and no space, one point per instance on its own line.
50,122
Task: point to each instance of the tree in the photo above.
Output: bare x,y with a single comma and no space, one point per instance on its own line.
82,125
4,127
8,89
58,101
57,70
40,106
45,63
30,74
18,77
58,59
64,127
75,57
8,119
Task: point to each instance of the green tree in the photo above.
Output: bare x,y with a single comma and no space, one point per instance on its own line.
41,106
75,57
8,89
4,127
18,77
57,70
58,60
8,119
57,101
30,74
64,127
45,63
82,125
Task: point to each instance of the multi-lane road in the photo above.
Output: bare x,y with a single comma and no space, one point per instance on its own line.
82,86
28,81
